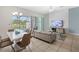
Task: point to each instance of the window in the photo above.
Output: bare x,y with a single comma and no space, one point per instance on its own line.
21,22
39,23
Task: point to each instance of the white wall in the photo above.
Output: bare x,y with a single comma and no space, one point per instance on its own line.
6,14
58,14
46,22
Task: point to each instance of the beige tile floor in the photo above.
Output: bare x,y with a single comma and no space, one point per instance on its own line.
69,44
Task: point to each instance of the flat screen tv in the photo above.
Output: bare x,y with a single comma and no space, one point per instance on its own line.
57,23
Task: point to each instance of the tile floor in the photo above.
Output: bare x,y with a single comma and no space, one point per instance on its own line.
70,44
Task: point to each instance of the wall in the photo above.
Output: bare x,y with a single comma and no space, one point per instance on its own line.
6,14
58,14
46,22
74,20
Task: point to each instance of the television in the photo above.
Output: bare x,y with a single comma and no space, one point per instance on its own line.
57,24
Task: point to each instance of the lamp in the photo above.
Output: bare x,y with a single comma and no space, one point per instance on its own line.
17,13
20,14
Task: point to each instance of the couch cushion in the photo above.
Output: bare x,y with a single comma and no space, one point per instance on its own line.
6,39
6,43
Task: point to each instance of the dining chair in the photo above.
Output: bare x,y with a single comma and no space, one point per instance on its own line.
19,46
62,33
0,37
0,40
5,42
10,30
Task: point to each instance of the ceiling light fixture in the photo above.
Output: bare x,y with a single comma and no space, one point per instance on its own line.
17,13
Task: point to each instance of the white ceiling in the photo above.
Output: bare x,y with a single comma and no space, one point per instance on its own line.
44,9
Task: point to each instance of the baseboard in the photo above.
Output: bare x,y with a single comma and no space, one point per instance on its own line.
74,34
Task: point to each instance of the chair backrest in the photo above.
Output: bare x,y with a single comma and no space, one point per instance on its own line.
10,30
25,40
0,37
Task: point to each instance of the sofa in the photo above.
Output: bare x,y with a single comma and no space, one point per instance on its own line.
45,36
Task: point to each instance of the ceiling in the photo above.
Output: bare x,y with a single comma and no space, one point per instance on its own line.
44,9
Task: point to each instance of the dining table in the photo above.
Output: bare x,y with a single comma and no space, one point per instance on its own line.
16,35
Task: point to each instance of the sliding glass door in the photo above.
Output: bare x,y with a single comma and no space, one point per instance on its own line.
21,22
39,23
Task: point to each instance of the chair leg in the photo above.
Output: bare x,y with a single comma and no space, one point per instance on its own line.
0,41
20,50
29,48
13,48
16,50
